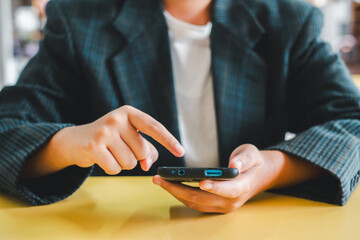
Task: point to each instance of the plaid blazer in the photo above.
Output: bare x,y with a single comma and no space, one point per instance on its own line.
271,71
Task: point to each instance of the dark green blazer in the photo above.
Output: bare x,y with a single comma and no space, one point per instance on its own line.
272,74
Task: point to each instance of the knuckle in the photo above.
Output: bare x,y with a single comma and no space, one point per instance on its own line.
129,165
113,119
250,149
85,163
101,133
90,146
143,154
126,108
155,126
244,150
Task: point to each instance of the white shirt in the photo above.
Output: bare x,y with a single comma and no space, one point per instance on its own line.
191,60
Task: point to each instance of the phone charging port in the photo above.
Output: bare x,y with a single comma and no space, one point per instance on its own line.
213,173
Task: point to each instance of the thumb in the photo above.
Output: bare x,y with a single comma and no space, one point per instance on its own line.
245,157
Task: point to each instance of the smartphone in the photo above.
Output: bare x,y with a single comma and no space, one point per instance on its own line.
190,174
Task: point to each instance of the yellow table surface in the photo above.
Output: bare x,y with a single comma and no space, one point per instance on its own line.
356,78
135,208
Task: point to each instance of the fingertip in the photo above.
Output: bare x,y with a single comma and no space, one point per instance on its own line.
179,150
206,185
157,180
114,171
238,165
232,165
144,165
235,163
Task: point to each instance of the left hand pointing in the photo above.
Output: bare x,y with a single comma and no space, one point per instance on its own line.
255,175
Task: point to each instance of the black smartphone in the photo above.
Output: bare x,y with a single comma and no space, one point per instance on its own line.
190,174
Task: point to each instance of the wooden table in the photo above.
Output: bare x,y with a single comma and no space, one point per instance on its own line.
135,208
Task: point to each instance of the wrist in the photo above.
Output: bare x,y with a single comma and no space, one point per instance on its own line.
287,170
48,159
56,150
274,162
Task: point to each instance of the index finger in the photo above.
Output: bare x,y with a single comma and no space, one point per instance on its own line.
148,125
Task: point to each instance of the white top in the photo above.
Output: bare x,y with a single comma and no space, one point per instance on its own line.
191,59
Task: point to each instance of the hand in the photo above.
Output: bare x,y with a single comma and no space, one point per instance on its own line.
113,142
255,175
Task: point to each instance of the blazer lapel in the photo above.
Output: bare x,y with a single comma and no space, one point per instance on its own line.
239,76
144,72
143,67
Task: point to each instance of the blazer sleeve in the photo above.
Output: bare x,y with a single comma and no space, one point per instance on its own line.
324,112
47,97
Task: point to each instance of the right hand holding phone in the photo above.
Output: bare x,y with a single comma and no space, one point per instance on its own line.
226,196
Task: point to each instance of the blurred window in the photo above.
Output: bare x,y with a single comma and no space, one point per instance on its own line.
342,29
28,22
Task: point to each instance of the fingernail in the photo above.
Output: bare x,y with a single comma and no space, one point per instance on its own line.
180,150
207,186
238,164
145,168
149,161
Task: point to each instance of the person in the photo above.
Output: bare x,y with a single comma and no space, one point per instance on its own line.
117,86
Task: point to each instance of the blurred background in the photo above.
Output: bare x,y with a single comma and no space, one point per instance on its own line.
21,24
22,21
